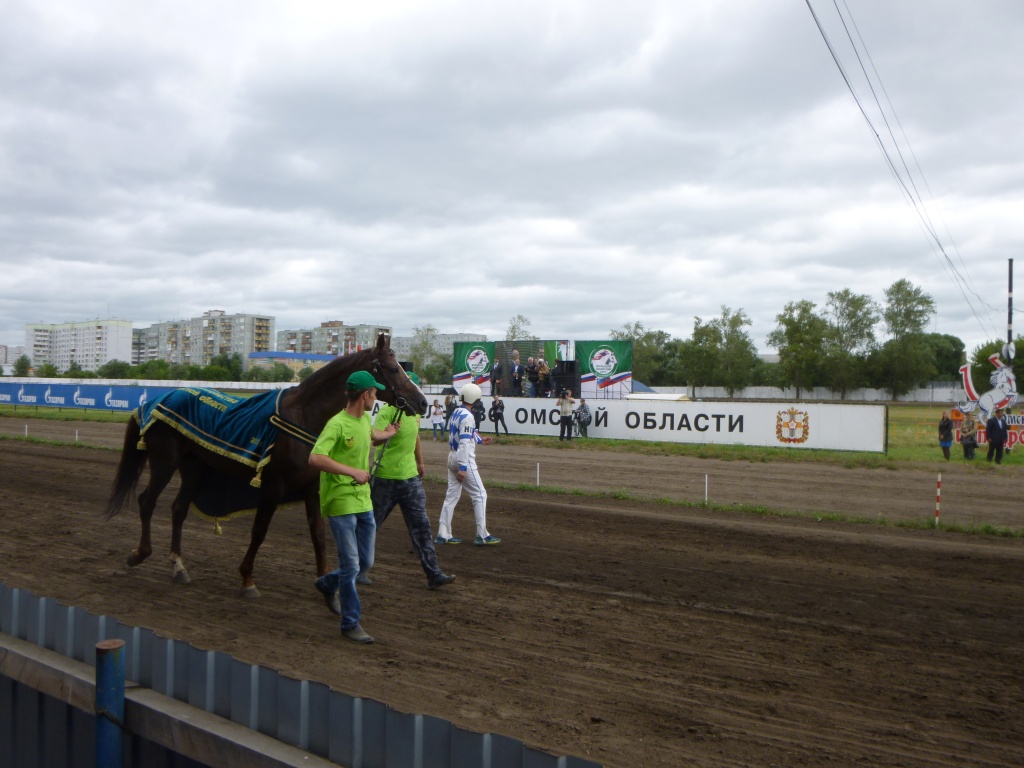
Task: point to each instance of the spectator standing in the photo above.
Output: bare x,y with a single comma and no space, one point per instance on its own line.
945,434
496,378
996,435
436,420
497,414
463,437
516,373
449,406
532,378
585,417
544,375
342,456
969,436
565,404
479,412
398,480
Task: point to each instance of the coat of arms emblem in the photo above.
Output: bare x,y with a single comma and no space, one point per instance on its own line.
792,426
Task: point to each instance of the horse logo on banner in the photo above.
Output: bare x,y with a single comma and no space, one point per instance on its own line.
1002,395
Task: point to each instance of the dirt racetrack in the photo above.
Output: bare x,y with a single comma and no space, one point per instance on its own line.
630,632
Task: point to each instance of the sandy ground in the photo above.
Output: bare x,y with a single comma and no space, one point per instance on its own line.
630,632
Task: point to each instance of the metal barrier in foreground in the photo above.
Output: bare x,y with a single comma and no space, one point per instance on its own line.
205,707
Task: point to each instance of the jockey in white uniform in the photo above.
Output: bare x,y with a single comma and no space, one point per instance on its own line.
463,437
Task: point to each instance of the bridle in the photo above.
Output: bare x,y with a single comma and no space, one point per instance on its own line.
378,373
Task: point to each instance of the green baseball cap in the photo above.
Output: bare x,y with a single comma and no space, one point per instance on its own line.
414,377
361,380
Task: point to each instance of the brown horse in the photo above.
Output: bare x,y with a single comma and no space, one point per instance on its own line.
306,409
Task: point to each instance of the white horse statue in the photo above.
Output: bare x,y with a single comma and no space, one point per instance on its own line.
1002,395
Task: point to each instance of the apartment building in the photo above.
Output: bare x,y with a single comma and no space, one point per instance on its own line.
198,340
443,344
90,344
331,338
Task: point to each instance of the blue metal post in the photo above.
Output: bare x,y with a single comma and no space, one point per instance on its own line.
110,704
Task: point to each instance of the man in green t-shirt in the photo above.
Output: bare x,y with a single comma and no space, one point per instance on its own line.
398,479
342,454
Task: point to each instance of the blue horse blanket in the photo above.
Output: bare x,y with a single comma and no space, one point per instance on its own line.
239,428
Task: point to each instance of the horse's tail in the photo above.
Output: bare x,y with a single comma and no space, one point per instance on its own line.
133,461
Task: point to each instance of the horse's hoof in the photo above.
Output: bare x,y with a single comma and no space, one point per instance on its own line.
181,577
249,592
134,559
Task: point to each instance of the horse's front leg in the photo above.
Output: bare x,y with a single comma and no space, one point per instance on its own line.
260,526
316,528
191,474
159,475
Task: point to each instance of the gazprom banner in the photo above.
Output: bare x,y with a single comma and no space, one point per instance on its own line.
98,397
776,425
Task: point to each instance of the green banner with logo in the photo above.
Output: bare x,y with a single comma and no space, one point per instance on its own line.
472,362
606,368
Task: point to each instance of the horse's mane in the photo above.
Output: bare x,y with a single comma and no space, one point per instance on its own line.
330,375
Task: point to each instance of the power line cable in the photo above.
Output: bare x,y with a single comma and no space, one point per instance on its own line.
911,194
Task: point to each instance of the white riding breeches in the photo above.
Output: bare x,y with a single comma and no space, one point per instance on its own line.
474,486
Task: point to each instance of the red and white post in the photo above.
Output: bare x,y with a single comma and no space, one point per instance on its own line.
938,497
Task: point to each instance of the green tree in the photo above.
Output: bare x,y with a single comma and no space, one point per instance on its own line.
699,358
74,370
21,366
900,365
906,360
258,373
800,338
47,371
115,369
231,363
155,370
519,329
215,373
648,352
183,372
739,354
981,366
907,309
947,355
673,372
281,372
851,321
423,352
305,373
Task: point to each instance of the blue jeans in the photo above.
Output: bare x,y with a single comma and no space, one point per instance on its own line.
355,536
437,430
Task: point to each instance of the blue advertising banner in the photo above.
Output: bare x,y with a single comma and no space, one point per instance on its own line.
104,397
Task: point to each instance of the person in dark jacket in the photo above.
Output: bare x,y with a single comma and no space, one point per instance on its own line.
479,413
497,414
516,373
997,434
533,378
945,434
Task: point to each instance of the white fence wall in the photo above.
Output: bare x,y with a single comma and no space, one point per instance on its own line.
946,394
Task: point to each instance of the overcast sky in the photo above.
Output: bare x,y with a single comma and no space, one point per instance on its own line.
585,164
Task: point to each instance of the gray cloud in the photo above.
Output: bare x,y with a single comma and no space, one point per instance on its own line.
460,163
